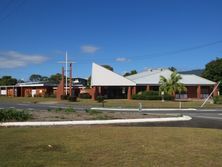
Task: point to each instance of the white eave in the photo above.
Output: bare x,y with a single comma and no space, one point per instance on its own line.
104,77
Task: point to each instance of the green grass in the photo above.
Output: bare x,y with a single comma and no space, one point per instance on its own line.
110,146
146,103
113,102
26,99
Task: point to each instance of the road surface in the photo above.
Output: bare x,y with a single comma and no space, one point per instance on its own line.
201,118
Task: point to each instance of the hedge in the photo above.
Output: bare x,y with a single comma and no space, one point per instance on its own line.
151,95
217,99
85,96
13,114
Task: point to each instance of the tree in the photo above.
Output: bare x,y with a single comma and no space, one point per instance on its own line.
132,72
8,80
89,81
35,78
172,68
213,70
172,85
45,79
55,78
108,67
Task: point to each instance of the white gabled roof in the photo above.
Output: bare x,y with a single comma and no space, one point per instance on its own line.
104,77
145,73
153,78
191,79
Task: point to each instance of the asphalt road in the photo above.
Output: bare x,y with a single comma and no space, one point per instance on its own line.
200,118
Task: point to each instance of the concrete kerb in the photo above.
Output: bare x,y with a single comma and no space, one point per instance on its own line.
144,109
96,122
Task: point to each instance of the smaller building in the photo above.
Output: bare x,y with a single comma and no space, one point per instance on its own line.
28,89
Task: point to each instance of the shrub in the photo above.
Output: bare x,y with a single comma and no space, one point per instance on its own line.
85,96
50,95
72,98
13,114
217,99
70,109
151,95
92,112
58,109
64,97
100,99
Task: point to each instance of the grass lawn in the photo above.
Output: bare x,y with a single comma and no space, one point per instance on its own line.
113,102
26,99
110,146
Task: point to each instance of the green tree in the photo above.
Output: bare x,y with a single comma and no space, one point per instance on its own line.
8,80
55,78
172,85
213,70
132,72
35,78
172,68
108,67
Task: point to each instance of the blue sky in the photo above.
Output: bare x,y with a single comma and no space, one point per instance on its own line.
126,34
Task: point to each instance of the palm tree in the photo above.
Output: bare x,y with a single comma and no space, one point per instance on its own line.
172,85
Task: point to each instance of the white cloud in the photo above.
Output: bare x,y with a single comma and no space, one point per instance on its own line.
13,59
122,59
89,49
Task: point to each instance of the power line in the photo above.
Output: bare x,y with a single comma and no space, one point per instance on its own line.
161,54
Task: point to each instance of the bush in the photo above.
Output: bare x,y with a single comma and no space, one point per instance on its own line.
151,95
100,99
85,96
50,95
92,112
70,109
13,114
72,98
217,99
64,97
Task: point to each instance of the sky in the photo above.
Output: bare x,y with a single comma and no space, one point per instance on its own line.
126,34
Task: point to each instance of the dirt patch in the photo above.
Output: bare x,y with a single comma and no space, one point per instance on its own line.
70,115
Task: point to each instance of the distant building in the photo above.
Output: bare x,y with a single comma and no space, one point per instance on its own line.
112,85
39,89
28,89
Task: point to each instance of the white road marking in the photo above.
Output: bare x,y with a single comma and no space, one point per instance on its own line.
207,117
144,109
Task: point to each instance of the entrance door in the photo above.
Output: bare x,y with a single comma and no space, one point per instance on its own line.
33,92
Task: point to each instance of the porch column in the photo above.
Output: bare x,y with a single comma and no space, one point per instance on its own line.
21,92
99,90
0,90
13,91
198,92
134,90
148,88
94,92
216,90
129,93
